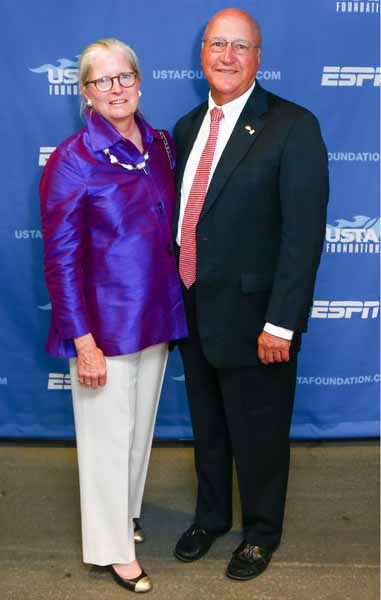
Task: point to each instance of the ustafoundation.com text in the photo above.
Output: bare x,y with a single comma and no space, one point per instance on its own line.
348,380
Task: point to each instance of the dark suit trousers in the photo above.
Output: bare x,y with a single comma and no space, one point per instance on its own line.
245,414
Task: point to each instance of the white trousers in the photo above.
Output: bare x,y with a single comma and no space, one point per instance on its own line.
114,428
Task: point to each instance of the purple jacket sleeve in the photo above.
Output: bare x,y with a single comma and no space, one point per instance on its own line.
63,194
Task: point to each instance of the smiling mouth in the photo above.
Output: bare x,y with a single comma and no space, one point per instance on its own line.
120,101
228,71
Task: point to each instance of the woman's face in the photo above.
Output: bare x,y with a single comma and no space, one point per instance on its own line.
118,104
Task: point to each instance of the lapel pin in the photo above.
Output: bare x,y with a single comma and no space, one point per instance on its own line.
250,129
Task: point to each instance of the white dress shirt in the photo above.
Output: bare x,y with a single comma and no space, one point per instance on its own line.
232,111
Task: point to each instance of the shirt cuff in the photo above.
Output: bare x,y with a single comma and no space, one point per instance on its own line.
281,332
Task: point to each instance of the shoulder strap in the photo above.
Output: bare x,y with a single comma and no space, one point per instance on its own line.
167,148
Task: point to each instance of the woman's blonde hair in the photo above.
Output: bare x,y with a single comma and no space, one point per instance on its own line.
88,54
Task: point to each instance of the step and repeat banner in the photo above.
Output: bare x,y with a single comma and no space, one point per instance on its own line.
323,54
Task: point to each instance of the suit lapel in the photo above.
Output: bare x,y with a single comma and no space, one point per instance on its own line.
245,133
194,127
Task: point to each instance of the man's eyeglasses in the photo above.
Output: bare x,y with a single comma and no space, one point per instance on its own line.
218,45
105,83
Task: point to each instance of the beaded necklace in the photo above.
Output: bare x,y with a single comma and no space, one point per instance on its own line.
141,166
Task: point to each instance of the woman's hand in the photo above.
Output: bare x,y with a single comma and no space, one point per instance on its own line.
91,362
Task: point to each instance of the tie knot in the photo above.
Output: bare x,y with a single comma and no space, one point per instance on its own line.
216,114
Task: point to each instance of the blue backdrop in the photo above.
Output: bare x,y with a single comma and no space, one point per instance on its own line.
322,54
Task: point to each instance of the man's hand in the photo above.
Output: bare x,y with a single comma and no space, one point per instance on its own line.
91,362
273,349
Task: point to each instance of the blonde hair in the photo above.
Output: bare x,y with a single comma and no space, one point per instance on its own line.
88,54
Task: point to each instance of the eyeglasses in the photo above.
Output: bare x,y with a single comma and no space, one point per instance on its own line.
218,45
105,83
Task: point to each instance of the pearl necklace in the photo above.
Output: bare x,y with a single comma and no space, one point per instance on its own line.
138,167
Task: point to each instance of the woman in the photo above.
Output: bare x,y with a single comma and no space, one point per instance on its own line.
107,197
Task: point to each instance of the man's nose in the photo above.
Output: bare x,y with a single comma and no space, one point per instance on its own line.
228,54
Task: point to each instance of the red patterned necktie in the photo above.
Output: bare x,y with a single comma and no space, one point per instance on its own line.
187,265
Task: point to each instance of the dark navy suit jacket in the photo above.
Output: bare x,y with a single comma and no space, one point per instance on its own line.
260,233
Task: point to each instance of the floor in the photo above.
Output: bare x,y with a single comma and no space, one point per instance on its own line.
330,548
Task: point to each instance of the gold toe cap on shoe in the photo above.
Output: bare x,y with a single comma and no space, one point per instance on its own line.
139,536
144,584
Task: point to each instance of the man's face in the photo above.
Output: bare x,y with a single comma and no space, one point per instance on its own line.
230,73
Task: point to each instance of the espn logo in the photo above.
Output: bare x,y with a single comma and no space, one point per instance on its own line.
59,381
351,76
45,152
345,309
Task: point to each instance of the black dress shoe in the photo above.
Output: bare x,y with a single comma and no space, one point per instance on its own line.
248,561
141,583
194,543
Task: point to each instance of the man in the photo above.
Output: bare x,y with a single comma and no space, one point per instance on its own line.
252,194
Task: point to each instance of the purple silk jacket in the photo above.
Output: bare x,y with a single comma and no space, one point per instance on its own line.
109,262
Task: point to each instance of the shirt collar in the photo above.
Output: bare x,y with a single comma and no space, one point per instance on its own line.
234,108
103,135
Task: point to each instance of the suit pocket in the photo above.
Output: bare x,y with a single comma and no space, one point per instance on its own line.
255,282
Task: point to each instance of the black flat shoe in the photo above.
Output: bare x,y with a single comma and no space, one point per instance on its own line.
138,531
194,543
248,561
142,583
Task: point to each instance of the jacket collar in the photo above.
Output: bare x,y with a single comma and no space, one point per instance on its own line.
103,135
245,134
